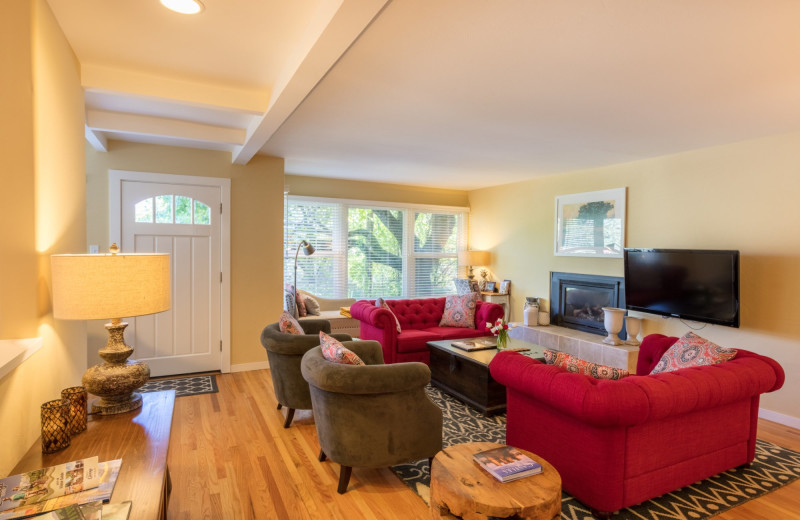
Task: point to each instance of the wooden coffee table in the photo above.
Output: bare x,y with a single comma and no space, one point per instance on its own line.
465,375
460,487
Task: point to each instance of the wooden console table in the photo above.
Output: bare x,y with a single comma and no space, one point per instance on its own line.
140,438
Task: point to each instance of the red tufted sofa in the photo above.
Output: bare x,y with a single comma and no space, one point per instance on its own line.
619,443
419,321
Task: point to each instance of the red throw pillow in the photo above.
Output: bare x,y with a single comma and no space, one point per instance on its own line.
692,351
380,302
289,325
335,352
459,311
581,366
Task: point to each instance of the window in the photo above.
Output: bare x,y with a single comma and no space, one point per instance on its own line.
365,250
169,209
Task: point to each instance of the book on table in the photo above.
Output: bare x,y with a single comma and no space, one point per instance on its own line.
475,344
507,463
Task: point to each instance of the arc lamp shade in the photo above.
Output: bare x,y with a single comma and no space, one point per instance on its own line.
91,287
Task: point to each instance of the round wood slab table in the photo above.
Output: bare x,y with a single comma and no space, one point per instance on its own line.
461,488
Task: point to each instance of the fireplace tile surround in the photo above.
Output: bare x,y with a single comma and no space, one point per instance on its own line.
581,344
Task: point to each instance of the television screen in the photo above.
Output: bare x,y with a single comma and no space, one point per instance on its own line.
698,285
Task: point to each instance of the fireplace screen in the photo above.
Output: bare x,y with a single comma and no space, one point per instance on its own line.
577,300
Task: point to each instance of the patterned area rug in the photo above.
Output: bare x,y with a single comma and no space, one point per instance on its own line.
772,468
195,385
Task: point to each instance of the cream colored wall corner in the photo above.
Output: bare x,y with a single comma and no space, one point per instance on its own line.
741,196
256,229
41,139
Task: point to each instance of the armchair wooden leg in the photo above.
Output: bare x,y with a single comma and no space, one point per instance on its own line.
322,456
604,515
279,406
344,479
289,417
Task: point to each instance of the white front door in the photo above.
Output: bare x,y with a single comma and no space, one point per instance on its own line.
185,220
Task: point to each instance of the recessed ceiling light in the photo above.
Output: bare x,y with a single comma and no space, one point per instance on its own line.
183,6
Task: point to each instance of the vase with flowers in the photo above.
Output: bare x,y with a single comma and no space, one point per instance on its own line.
500,329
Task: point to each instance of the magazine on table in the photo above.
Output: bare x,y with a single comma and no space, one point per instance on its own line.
44,484
89,511
475,344
103,485
507,463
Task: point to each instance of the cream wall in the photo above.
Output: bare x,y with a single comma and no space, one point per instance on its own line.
742,196
342,189
41,145
256,229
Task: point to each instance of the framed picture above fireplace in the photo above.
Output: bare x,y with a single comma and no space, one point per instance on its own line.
591,224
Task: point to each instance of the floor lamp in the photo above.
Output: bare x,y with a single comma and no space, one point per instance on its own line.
90,287
308,250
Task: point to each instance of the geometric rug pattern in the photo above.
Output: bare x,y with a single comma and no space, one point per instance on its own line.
183,386
772,468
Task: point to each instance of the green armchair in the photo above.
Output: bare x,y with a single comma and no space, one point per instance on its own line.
371,416
284,352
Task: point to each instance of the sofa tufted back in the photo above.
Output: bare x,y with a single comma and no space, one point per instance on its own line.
422,313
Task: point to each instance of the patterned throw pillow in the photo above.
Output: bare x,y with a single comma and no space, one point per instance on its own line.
692,351
300,304
335,352
459,311
581,366
289,325
380,302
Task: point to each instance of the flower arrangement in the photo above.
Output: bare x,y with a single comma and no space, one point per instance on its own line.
500,329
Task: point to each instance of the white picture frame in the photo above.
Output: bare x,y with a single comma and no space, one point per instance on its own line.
590,224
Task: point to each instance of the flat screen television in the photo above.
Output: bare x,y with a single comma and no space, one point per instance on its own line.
693,284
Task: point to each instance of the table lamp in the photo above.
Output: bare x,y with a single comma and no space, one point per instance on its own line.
473,258
90,287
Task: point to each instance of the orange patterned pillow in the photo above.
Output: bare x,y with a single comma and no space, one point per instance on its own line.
581,366
335,352
459,311
289,325
692,351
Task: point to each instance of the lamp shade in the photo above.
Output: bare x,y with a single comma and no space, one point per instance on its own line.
473,257
92,287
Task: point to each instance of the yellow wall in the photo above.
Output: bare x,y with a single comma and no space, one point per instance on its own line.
342,189
742,196
256,229
41,140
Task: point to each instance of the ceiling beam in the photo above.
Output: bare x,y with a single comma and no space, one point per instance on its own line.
250,100
330,34
100,120
96,139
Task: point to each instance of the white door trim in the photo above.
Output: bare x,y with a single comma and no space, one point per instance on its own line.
115,179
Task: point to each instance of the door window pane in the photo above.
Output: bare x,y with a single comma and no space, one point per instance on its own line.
164,209
202,214
143,211
183,210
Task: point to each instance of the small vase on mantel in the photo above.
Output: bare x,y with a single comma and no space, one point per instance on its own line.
633,326
612,319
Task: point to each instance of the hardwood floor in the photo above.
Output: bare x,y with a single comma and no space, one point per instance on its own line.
231,458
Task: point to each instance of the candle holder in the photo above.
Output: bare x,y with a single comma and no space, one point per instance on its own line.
55,425
76,396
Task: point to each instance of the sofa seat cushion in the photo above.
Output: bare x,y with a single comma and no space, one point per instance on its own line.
412,340
454,332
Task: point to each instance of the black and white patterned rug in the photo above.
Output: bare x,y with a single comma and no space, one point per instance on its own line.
772,468
195,385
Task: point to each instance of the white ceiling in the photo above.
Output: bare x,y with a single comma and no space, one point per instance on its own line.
446,93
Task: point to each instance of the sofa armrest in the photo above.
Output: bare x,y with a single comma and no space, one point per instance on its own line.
487,313
366,311
635,399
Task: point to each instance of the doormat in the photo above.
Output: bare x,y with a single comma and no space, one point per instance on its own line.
772,468
183,386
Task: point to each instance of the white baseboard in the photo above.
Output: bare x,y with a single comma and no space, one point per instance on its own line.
244,367
786,420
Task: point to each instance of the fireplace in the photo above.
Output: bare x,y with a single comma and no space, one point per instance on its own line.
577,300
